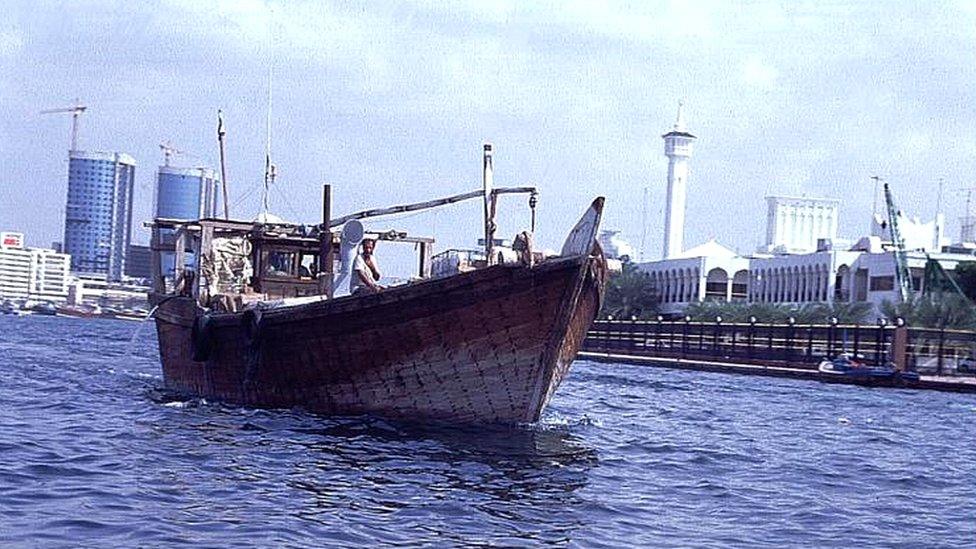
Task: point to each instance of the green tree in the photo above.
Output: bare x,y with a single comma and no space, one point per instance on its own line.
775,313
630,293
965,275
951,311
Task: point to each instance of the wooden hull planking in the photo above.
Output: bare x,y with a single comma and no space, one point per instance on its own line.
486,346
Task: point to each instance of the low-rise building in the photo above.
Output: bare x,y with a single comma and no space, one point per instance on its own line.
708,272
95,290
32,273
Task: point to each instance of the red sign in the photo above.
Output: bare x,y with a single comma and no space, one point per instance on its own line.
12,240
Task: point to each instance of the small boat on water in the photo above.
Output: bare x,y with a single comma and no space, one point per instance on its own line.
259,320
44,308
79,310
849,369
14,308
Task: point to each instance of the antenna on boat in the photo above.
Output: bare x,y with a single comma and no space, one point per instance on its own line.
269,168
221,132
643,223
488,181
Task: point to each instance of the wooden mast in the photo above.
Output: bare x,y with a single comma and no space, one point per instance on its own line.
325,244
488,181
221,132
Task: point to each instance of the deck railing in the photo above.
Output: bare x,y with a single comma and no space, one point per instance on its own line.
942,352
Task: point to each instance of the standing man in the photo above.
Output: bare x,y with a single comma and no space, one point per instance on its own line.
364,271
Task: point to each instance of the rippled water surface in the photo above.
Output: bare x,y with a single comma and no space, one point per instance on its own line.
91,454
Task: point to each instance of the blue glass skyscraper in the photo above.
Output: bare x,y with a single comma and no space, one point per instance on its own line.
183,194
98,215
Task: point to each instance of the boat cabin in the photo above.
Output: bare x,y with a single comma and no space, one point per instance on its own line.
228,264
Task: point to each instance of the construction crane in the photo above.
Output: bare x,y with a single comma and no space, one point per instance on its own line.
936,282
902,275
75,111
169,151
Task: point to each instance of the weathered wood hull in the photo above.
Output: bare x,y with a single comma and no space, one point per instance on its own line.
486,346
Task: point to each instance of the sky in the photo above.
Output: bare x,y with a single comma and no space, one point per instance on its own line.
390,102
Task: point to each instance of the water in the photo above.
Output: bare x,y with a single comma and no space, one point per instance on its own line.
91,454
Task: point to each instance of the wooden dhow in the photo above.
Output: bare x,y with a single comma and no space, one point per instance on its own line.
488,343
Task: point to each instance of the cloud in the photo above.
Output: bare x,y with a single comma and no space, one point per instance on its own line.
758,73
914,144
11,43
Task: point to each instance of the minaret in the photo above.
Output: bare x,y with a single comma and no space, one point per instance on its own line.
677,147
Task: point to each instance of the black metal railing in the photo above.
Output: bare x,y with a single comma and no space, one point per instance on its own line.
802,346
941,351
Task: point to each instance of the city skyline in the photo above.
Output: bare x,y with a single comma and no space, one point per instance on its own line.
783,101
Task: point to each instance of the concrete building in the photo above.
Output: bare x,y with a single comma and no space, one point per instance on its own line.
818,277
708,272
32,273
918,235
98,215
677,147
15,267
794,225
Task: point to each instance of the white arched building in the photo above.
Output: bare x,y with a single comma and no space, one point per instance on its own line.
819,277
709,271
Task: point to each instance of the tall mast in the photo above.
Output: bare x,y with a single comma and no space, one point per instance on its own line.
221,132
488,181
643,223
269,168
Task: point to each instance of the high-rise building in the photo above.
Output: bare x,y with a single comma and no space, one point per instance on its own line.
677,147
186,193
98,216
183,194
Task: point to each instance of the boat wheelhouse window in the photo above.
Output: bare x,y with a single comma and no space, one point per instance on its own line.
280,264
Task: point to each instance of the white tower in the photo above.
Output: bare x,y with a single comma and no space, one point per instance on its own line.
677,147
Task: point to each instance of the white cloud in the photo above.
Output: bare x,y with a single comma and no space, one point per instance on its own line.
756,72
11,43
914,144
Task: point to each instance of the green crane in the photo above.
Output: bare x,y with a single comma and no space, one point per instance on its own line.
936,282
902,275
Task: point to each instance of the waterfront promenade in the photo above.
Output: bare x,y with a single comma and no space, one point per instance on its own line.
944,359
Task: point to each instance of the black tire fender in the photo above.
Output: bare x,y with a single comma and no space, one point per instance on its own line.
251,324
201,338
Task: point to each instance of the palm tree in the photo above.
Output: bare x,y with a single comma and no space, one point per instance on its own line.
949,311
775,313
630,293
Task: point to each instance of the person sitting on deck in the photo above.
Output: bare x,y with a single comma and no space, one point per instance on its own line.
364,271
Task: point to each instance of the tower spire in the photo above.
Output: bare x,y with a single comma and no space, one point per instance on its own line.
677,147
679,123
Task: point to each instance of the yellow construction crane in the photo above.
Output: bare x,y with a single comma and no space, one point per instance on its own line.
75,111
